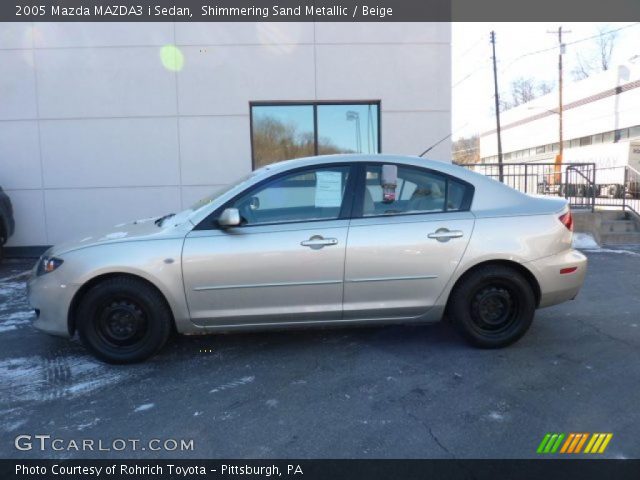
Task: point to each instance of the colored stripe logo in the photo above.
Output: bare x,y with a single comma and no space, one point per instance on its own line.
574,443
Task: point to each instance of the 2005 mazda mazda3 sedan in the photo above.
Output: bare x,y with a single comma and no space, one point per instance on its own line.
343,239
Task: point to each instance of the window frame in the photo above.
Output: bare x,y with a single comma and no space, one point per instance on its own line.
346,209
314,104
357,210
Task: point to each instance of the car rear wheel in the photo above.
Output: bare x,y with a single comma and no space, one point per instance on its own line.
123,320
492,307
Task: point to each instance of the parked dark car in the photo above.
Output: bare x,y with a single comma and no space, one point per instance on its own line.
7,223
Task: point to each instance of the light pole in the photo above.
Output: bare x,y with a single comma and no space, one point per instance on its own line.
561,48
355,116
497,100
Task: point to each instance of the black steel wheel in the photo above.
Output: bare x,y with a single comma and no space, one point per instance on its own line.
492,306
123,320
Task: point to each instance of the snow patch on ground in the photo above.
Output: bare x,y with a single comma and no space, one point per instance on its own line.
612,250
144,407
15,320
36,378
496,416
14,310
584,240
233,384
17,276
84,426
114,235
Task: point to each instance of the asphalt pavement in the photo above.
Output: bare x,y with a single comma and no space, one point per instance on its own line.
385,392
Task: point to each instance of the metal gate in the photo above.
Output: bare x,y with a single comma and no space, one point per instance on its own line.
574,181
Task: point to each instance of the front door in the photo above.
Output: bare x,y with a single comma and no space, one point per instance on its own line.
406,243
285,263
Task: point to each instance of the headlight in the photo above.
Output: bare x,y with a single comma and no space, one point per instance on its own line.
48,265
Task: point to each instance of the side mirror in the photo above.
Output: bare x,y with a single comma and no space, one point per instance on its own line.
230,217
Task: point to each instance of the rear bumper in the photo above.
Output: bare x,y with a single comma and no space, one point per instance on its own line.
556,287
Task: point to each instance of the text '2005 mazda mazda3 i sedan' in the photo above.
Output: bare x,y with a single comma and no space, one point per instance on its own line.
344,239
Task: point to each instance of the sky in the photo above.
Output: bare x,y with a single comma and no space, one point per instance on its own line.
472,72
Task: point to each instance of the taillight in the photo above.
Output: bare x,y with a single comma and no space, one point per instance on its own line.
567,220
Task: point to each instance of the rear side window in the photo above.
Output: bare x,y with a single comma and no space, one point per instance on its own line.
455,196
416,191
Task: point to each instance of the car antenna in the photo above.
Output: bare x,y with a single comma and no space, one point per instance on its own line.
435,145
442,140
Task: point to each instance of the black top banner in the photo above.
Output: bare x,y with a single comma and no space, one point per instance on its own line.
318,11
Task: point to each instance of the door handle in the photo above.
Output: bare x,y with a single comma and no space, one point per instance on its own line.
444,234
318,241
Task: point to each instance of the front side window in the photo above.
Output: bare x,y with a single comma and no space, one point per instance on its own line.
285,131
308,195
416,191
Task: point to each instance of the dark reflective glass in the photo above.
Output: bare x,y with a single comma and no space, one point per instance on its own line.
281,133
347,129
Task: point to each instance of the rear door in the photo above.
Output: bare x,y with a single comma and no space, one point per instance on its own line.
404,244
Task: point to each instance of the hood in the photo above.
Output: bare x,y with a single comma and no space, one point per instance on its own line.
144,229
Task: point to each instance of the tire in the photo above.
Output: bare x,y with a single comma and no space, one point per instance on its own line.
492,307
123,320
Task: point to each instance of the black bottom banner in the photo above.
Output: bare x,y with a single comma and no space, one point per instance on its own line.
321,469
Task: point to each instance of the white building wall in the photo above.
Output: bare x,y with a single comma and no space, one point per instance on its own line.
94,130
607,114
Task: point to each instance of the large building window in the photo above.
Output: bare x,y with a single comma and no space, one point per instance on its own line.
281,131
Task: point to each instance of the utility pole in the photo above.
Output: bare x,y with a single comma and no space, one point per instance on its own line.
559,157
497,98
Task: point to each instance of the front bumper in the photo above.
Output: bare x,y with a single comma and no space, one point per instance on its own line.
51,299
556,287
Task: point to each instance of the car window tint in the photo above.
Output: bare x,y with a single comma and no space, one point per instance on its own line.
314,194
416,191
455,195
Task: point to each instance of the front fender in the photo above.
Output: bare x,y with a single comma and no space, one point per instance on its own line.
156,261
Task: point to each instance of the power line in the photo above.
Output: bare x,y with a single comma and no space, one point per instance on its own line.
468,76
580,40
536,52
475,44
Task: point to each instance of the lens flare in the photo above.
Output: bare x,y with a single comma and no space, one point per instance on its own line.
172,58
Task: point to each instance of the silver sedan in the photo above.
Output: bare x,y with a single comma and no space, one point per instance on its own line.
344,239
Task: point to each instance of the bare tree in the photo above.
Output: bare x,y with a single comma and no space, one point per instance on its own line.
466,150
598,57
524,90
545,87
275,140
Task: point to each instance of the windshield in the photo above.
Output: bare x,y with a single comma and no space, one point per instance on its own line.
203,202
218,193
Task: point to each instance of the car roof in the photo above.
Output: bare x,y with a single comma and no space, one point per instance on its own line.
444,167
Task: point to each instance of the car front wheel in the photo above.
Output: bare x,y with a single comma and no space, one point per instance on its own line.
493,306
123,320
